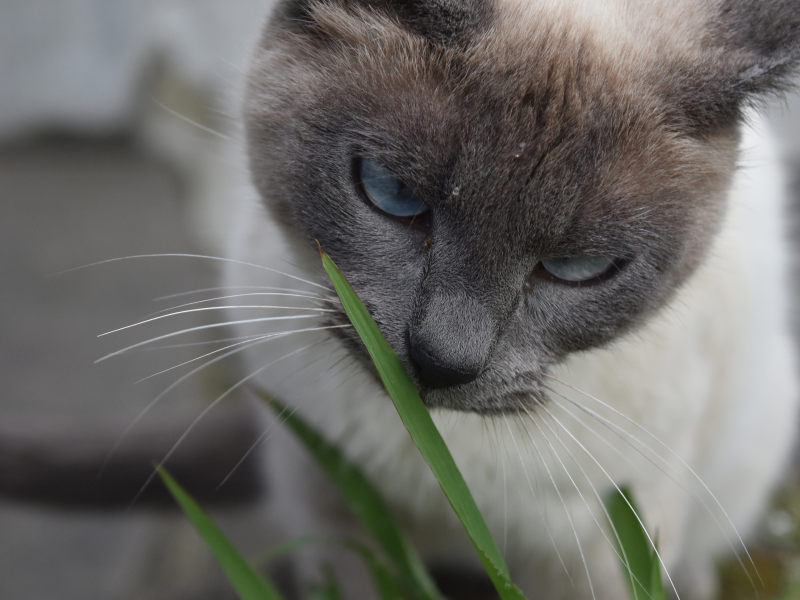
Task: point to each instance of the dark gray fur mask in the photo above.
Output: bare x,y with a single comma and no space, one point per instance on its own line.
525,148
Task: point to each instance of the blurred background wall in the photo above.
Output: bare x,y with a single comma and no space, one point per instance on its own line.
115,121
115,117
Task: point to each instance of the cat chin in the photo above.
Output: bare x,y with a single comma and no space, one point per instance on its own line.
488,399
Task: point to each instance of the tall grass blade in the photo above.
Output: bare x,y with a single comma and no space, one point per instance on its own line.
656,585
386,583
424,433
246,581
640,564
329,590
365,502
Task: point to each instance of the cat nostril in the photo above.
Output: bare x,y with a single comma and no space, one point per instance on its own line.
434,373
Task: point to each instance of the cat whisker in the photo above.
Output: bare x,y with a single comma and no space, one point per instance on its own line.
569,517
192,122
183,378
619,432
200,328
697,498
206,308
638,518
683,462
556,400
271,428
233,287
308,365
203,256
206,410
258,338
314,298
343,359
203,343
505,507
623,557
265,435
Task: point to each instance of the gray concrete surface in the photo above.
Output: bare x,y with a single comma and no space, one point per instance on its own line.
63,204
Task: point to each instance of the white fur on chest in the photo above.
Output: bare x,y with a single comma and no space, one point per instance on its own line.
706,386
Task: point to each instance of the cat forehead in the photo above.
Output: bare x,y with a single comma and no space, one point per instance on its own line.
624,43
536,64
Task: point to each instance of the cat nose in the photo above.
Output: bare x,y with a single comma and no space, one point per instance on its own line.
450,339
434,372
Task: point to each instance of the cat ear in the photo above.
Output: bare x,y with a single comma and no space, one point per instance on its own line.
761,39
752,49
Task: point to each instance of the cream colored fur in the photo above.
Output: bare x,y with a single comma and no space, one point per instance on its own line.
617,27
709,386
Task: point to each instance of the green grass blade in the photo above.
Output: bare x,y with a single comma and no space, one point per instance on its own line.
389,588
246,581
424,433
387,585
365,502
289,547
641,567
656,585
325,591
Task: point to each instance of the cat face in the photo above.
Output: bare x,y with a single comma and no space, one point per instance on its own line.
501,186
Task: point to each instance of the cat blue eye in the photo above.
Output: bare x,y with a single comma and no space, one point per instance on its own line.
388,193
576,269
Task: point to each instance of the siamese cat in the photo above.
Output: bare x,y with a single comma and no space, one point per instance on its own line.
567,219
568,223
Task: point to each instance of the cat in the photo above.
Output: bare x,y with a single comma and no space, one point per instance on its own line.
567,219
558,218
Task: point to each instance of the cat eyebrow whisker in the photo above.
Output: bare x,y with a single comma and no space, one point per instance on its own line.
250,339
233,287
314,298
187,255
206,410
560,497
649,538
683,462
205,308
200,328
623,557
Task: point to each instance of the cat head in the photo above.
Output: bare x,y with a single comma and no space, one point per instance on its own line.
506,182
